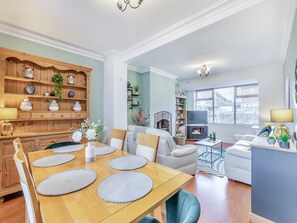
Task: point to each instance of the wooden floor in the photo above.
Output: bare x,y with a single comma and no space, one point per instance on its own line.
222,201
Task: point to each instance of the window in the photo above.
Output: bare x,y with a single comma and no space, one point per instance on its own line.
224,105
247,104
204,102
231,105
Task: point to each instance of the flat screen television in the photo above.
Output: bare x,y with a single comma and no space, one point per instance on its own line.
197,117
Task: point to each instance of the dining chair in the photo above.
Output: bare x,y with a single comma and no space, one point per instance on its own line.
60,144
31,199
183,207
117,138
18,146
147,146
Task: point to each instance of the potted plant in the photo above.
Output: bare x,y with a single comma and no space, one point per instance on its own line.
58,83
283,141
184,103
128,84
136,88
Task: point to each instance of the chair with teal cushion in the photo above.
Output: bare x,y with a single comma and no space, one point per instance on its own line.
183,207
60,144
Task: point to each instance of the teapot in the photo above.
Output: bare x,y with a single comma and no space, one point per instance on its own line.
70,79
28,71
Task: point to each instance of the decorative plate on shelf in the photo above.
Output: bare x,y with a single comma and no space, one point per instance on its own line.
30,88
71,94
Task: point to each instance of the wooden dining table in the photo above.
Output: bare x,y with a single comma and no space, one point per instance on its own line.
87,206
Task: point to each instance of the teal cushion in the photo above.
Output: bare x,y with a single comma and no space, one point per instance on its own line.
148,219
183,207
265,131
60,144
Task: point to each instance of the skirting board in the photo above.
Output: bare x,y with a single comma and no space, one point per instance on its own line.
258,219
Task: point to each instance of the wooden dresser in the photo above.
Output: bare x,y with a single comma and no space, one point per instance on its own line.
39,127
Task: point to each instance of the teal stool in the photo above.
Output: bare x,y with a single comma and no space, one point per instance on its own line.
60,144
183,207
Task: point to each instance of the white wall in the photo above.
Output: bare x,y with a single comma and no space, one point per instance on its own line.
271,93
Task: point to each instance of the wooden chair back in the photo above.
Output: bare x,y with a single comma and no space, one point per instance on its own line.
32,204
18,146
117,138
147,146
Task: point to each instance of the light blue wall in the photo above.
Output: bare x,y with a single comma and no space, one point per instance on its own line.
135,78
289,70
96,86
162,96
157,94
146,97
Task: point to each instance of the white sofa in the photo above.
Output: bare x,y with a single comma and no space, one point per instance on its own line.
182,158
238,159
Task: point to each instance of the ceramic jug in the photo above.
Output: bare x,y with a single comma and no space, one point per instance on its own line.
26,105
28,71
70,79
77,107
54,106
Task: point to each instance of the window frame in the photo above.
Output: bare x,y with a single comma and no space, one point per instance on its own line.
235,96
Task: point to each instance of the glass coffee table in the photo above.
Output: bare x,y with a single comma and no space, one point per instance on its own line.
210,144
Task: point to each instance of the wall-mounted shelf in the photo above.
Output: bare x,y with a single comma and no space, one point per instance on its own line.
131,96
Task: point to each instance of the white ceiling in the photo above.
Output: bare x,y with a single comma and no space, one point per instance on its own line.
250,38
97,25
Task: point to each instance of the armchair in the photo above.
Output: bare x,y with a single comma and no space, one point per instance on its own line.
182,158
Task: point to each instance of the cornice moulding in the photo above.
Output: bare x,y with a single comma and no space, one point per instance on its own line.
152,69
27,35
215,12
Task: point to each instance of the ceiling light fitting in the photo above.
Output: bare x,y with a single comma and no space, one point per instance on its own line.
120,4
204,71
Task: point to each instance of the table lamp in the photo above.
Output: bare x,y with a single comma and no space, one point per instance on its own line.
7,114
281,116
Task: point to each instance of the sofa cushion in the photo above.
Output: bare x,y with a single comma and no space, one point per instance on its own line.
243,143
163,135
240,151
184,150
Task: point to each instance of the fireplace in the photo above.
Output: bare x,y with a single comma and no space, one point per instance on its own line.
163,120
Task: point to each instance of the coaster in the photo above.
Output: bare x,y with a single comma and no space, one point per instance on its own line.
130,162
66,182
125,187
100,151
67,149
53,160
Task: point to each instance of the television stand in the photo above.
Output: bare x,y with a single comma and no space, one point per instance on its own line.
197,132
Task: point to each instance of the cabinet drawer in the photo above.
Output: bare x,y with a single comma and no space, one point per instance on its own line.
42,115
46,141
79,115
62,115
7,148
23,115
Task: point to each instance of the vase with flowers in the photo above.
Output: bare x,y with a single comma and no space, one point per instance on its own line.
89,130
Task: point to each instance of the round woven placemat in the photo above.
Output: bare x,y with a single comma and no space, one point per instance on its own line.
66,182
130,162
67,149
125,187
53,160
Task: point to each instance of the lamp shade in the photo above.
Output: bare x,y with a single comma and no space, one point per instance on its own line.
8,113
281,115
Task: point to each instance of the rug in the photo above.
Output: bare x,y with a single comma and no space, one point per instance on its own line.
217,167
